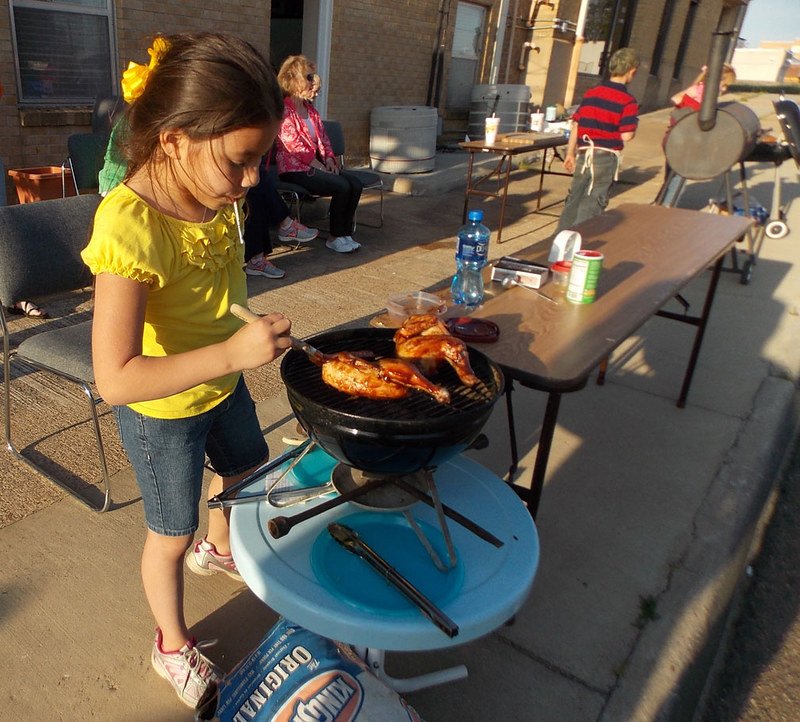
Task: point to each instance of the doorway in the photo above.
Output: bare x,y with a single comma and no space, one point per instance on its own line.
303,27
468,42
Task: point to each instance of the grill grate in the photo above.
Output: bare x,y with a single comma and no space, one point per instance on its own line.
305,378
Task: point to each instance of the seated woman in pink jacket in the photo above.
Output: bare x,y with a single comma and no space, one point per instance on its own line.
305,157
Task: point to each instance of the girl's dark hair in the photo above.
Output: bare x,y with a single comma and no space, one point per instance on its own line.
205,84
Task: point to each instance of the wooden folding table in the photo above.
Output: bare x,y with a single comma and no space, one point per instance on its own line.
506,147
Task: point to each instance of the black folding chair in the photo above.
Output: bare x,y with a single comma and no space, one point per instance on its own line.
369,179
40,245
85,160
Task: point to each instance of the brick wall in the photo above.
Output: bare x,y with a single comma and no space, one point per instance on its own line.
31,137
381,57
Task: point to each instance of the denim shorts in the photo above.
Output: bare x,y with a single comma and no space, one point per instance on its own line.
168,456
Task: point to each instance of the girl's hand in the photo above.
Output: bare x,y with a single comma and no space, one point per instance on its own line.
260,341
330,166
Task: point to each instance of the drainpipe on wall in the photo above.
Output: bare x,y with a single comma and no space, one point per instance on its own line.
502,19
437,61
511,42
569,94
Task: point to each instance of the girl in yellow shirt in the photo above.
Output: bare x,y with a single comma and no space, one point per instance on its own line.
167,255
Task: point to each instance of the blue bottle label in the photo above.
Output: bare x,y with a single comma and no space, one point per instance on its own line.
468,249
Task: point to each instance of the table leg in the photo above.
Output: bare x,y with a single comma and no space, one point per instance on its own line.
701,329
543,452
512,431
505,195
541,180
375,661
468,190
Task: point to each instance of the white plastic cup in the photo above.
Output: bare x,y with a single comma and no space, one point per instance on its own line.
537,122
491,129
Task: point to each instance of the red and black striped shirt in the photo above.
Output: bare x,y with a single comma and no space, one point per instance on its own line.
606,111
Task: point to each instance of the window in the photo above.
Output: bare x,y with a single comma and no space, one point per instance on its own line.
608,28
63,50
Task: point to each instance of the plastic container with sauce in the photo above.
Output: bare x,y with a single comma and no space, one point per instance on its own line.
559,276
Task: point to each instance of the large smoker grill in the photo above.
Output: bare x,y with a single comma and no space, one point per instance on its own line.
708,143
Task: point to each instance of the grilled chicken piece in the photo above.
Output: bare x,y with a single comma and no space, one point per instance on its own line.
356,376
320,358
430,351
388,378
406,374
426,324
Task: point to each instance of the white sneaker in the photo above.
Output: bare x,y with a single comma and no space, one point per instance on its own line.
188,670
297,232
355,243
204,559
341,244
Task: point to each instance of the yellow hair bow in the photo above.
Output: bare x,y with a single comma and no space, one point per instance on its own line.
135,76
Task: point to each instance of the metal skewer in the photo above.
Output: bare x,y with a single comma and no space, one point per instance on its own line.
509,282
245,314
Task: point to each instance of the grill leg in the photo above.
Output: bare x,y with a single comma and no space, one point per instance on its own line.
375,661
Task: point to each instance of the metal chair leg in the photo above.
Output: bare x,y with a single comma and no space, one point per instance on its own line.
380,222
106,490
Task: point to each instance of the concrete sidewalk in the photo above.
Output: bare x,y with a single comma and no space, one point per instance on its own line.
646,521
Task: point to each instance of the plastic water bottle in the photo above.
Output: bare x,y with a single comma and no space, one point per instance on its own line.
472,250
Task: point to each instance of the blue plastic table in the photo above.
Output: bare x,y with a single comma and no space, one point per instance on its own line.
306,577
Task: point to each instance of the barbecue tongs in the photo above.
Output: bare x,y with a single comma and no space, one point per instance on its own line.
350,540
229,497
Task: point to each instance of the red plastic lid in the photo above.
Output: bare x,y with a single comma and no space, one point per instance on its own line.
478,330
561,266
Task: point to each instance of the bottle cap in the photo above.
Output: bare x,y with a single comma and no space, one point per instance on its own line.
475,216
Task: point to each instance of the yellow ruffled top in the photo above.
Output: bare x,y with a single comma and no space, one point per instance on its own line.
194,273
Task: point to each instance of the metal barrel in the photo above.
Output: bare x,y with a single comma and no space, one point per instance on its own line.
699,154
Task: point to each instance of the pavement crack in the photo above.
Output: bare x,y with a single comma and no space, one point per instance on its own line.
519,649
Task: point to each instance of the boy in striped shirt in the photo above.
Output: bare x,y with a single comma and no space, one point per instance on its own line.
606,119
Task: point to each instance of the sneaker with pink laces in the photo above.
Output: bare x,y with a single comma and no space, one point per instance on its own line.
297,232
187,670
204,559
263,267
